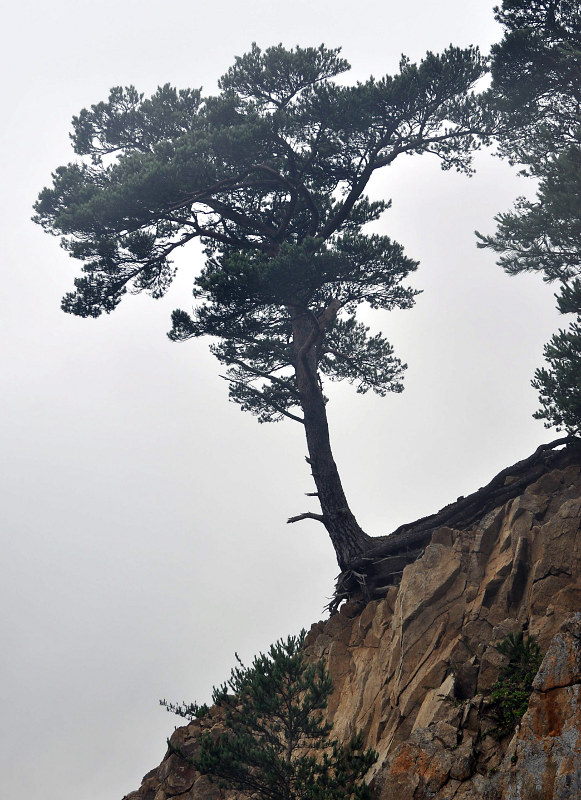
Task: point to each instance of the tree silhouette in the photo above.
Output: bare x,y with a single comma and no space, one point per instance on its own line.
270,175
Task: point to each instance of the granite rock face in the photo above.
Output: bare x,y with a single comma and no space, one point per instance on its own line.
413,671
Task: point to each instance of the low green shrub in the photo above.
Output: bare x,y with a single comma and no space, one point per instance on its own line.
509,698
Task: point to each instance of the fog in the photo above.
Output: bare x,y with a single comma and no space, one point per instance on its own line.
143,516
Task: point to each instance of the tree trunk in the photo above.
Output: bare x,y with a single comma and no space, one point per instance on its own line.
347,537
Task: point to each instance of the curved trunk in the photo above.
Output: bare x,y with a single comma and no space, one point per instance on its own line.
347,537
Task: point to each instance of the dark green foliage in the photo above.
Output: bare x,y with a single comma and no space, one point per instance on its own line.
537,87
270,176
510,694
187,710
275,743
559,386
544,235
536,73
246,300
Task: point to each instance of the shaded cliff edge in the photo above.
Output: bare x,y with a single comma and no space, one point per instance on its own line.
413,669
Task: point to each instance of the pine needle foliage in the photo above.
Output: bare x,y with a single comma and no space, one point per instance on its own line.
536,87
270,175
276,744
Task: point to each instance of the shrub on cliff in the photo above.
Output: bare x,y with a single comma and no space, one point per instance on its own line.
275,742
511,692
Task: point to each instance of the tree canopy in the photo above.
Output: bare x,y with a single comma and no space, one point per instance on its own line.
536,72
270,174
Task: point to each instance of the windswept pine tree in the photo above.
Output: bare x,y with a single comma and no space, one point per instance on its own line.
270,174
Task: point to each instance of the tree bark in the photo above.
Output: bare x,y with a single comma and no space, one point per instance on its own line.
348,539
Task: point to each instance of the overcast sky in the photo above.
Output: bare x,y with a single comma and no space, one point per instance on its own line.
142,515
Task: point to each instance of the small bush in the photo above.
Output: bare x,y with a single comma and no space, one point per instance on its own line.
510,694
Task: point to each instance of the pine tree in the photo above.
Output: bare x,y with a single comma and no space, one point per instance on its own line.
536,86
270,175
276,744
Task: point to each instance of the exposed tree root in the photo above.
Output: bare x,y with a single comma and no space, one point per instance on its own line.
383,562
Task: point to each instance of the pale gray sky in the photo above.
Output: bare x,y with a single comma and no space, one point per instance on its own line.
142,515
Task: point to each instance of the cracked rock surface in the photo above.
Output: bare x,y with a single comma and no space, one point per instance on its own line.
414,669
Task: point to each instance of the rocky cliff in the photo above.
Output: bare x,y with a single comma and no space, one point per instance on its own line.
414,668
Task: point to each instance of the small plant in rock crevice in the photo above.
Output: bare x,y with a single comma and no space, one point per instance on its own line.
509,698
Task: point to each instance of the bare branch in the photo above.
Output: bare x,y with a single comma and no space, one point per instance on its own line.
307,515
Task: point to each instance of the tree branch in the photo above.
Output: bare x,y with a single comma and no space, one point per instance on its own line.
211,233
306,515
267,375
270,403
239,218
209,191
